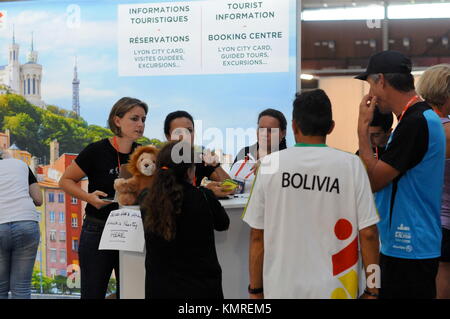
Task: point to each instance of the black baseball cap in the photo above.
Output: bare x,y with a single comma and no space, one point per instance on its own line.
387,62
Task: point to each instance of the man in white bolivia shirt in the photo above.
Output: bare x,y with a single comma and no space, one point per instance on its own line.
310,213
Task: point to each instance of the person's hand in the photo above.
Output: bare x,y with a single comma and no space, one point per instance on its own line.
257,296
209,158
366,110
366,296
94,199
218,190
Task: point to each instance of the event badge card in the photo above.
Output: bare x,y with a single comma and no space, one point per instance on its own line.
123,231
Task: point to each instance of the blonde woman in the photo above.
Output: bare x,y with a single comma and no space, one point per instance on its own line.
434,87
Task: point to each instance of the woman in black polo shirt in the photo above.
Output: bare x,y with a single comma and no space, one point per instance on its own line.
180,125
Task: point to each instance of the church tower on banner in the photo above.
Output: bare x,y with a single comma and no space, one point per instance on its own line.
76,90
23,79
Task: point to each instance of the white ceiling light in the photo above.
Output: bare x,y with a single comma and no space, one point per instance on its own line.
307,77
419,11
405,10
349,13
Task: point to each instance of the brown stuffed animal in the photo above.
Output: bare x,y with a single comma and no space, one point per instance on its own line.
141,166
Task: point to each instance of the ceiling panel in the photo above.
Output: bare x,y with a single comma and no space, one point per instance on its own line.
314,4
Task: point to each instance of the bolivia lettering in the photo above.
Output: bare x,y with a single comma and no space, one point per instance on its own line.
297,180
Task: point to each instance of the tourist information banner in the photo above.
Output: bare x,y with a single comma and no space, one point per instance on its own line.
203,37
222,61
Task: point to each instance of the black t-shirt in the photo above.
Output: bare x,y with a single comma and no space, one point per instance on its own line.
99,161
379,150
187,267
252,150
31,178
409,142
202,171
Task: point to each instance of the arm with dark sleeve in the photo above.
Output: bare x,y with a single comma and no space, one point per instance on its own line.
31,178
84,160
35,190
406,149
218,174
82,166
220,216
408,146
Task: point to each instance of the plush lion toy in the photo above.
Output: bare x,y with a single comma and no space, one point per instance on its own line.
141,166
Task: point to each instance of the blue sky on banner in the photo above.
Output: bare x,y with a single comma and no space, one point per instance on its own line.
220,101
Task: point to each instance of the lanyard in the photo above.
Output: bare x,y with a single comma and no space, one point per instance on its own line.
116,147
441,115
242,166
408,105
249,174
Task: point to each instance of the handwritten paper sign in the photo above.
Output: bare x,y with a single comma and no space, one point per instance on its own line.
123,231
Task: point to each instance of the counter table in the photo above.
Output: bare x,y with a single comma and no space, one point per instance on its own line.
232,250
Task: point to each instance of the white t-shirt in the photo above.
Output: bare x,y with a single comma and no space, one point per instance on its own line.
311,202
15,200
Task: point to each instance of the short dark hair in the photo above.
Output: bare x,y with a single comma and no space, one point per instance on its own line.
383,120
400,81
312,113
175,115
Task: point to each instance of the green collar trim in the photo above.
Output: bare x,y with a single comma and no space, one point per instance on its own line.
310,145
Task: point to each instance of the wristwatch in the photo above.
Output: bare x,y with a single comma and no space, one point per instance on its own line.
255,291
372,294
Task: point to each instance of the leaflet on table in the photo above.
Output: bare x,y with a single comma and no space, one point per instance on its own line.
123,231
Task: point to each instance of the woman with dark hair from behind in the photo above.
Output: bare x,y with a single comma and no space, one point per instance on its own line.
179,223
